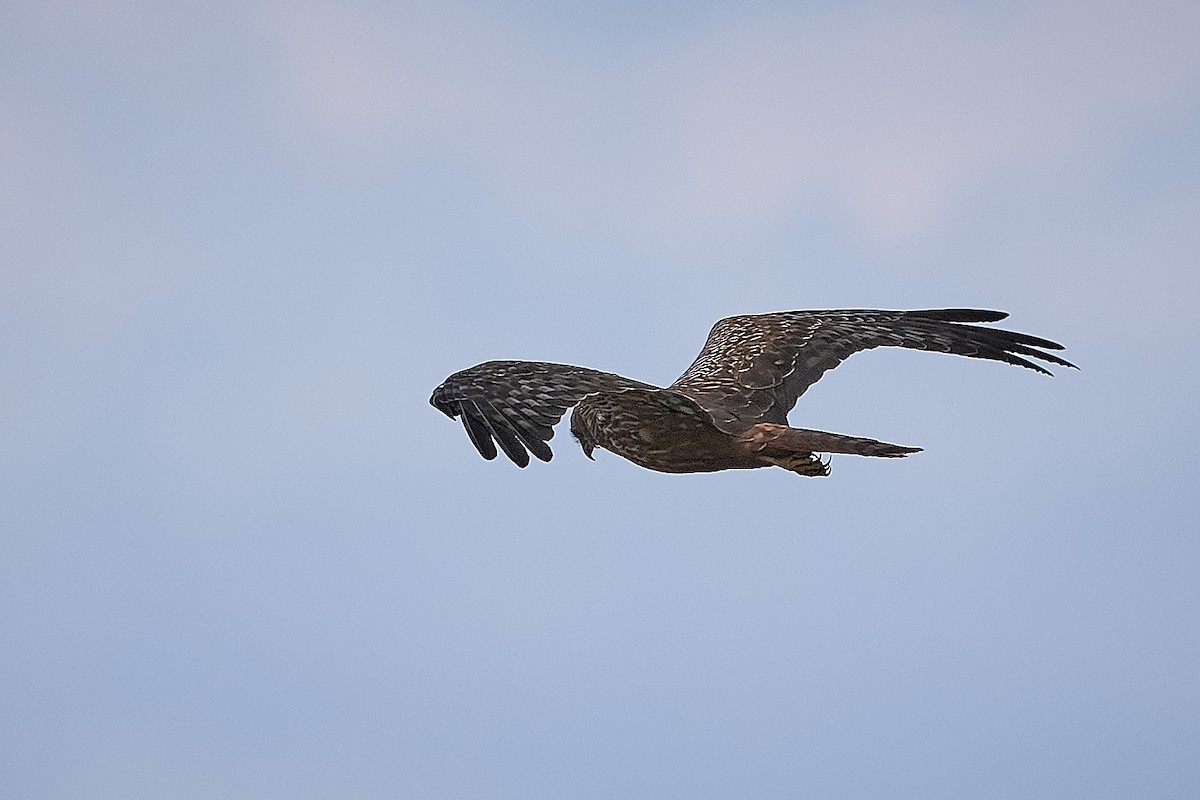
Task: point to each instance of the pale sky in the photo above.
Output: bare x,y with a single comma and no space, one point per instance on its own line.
242,557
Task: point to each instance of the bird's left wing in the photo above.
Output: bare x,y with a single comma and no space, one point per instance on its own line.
517,403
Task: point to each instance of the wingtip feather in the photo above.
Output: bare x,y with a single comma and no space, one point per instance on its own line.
960,314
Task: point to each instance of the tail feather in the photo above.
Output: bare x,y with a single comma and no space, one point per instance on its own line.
773,441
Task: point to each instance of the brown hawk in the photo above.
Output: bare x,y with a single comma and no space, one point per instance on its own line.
729,409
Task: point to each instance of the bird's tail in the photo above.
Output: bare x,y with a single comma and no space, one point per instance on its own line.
772,441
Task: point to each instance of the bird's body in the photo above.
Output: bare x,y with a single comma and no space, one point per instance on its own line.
729,408
659,430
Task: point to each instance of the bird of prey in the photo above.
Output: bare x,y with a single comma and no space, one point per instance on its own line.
729,409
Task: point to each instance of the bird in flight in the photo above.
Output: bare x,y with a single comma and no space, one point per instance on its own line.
729,409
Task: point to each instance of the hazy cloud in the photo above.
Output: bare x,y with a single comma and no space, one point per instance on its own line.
895,113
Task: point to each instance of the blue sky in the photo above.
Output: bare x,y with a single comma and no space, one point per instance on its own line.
242,557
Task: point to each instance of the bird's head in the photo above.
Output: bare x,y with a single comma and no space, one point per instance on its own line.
582,432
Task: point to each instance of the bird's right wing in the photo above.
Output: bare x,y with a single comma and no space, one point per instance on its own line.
753,367
517,403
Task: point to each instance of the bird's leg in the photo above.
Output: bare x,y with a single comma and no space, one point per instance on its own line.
808,464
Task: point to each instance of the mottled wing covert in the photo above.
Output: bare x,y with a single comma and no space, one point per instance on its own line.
517,403
754,367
